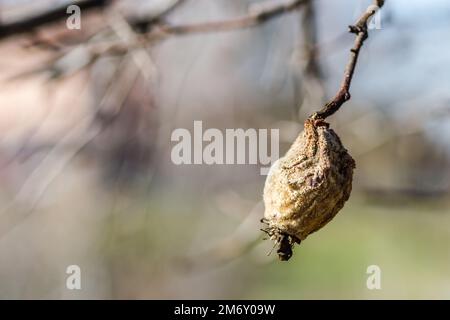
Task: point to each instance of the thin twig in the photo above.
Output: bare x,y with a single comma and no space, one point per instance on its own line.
310,40
311,91
360,28
140,55
161,31
145,22
250,20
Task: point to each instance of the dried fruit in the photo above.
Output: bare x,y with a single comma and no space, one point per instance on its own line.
307,187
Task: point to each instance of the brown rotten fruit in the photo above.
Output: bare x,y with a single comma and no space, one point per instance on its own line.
307,187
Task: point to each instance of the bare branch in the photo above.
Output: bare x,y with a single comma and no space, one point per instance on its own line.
310,92
144,22
250,20
60,12
247,21
360,28
161,31
140,55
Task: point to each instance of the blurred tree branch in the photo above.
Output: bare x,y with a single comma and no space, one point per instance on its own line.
160,30
58,13
310,36
311,92
253,18
30,23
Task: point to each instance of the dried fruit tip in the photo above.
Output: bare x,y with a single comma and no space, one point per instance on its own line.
283,242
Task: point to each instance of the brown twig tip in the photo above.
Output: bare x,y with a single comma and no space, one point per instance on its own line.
360,29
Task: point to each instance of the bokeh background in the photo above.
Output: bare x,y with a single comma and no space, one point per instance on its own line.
87,179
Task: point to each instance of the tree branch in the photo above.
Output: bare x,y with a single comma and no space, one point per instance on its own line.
360,28
250,20
60,12
160,31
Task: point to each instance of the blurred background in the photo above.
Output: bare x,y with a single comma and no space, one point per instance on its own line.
86,175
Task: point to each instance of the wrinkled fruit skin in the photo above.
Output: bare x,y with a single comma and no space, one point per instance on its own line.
307,187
